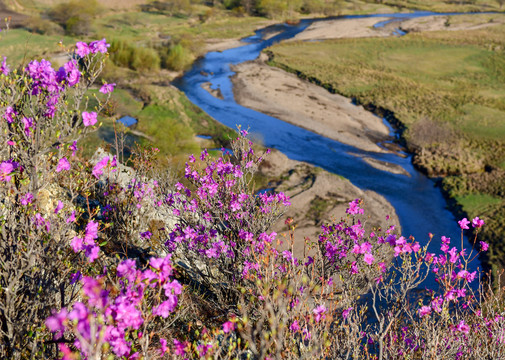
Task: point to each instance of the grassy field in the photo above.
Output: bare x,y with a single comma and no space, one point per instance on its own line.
446,6
446,87
21,46
145,27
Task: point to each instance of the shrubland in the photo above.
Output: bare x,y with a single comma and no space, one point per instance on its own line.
110,257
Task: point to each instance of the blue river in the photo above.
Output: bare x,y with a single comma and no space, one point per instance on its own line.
419,204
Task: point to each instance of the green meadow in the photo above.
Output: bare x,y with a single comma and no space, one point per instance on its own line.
416,75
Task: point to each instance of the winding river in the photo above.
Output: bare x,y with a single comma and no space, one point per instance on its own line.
418,202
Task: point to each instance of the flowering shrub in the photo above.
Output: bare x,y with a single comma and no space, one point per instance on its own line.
99,260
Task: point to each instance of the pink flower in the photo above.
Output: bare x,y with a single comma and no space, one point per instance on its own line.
146,235
91,252
127,269
179,347
164,349
166,307
203,349
29,125
9,114
484,246
98,169
461,292
464,328
228,326
89,118
319,312
26,199
63,164
82,49
67,353
58,207
69,73
477,223
99,46
463,223
294,327
346,312
4,69
368,258
6,168
91,230
453,255
76,244
354,208
71,218
107,88
56,323
73,147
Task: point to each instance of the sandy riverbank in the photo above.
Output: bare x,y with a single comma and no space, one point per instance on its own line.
452,23
342,28
275,92
357,28
222,45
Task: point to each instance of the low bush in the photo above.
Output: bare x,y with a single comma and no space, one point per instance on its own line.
134,57
177,58
75,16
42,26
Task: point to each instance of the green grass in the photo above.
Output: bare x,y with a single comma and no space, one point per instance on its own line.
446,6
414,76
140,27
477,204
20,46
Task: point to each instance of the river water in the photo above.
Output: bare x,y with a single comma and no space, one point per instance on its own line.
419,204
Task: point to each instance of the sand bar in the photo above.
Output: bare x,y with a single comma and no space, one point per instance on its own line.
277,93
342,28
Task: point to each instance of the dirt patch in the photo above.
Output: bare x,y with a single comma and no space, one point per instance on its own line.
385,166
358,28
222,45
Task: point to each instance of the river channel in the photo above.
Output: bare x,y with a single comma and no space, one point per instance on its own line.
419,204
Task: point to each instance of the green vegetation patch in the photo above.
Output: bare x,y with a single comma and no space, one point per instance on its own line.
447,6
419,75
477,204
20,45
482,122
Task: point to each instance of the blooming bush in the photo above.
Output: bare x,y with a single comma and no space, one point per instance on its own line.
99,260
